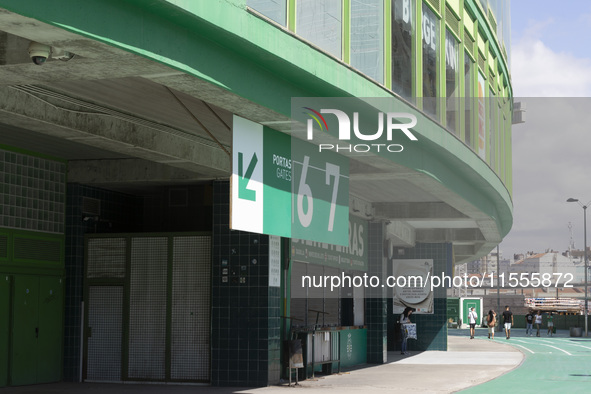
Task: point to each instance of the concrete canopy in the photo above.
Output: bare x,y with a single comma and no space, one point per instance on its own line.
116,113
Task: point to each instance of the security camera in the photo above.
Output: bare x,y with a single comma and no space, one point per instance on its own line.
39,52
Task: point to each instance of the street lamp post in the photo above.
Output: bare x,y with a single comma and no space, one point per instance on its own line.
585,254
498,290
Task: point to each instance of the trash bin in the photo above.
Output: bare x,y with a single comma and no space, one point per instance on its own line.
295,359
576,332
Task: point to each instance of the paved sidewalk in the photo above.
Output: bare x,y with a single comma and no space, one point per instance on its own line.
467,363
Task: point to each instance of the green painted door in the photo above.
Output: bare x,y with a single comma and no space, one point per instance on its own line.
4,327
25,330
468,304
49,341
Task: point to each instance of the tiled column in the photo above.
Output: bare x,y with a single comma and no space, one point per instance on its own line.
375,298
245,348
431,328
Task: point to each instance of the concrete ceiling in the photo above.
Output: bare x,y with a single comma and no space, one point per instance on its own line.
127,123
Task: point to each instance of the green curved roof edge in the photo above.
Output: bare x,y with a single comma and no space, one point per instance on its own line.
197,37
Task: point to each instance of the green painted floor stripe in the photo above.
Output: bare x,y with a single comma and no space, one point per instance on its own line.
557,364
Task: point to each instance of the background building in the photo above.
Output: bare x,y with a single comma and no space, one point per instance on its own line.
117,259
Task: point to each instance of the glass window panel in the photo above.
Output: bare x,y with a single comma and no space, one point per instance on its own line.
319,21
496,10
481,116
492,4
502,158
451,81
506,26
367,37
468,101
402,49
275,10
430,27
507,151
492,131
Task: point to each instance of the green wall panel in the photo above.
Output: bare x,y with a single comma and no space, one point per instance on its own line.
33,346
23,358
353,347
4,327
49,345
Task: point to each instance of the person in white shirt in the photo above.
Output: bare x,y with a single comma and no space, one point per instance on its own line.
538,322
473,317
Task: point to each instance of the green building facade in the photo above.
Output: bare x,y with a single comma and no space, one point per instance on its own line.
118,259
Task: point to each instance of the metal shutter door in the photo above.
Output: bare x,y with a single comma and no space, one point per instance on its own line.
105,320
190,331
147,308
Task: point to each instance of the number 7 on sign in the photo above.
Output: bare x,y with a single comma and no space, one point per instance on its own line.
333,170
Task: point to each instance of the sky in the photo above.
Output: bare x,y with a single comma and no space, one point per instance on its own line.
551,74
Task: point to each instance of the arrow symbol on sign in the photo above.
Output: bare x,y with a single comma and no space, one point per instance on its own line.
243,191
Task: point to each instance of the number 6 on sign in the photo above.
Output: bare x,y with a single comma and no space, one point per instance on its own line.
333,170
304,190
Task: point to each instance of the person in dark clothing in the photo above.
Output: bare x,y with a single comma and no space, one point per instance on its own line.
492,322
404,319
507,321
529,321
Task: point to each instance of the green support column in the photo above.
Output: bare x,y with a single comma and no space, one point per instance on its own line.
388,43
291,15
461,131
346,31
418,51
441,88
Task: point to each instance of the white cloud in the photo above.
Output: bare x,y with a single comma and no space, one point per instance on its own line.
552,150
538,71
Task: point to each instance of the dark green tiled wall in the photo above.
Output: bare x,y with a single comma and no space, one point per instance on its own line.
431,328
246,337
375,298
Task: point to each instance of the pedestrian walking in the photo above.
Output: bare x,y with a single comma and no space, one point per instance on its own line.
538,322
473,318
492,322
507,321
529,320
550,325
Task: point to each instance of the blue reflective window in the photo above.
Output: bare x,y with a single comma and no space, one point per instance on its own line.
402,48
451,81
430,28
